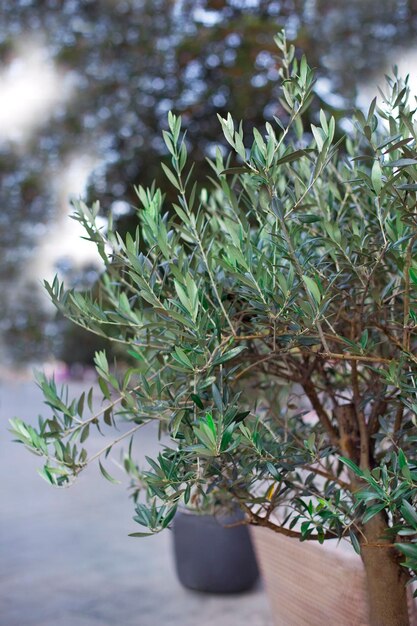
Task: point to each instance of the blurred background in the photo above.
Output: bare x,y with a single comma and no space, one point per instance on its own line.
85,87
85,90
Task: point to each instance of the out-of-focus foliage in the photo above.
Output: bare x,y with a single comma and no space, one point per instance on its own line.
130,61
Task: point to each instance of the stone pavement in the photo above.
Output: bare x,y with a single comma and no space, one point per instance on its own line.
66,559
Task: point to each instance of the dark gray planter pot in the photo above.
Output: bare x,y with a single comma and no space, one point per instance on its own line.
212,558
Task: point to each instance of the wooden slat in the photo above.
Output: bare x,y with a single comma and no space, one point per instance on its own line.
312,585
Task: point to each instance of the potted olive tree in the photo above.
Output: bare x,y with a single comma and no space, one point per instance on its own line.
272,322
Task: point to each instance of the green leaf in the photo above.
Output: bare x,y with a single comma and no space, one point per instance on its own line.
218,400
80,405
376,176
352,466
409,549
273,471
171,176
176,423
90,399
402,461
312,288
309,218
317,134
104,388
292,156
180,356
413,275
409,513
107,476
408,187
197,400
211,424
230,354
84,433
169,516
107,417
355,542
372,511
168,141
364,339
401,163
388,140
235,170
46,475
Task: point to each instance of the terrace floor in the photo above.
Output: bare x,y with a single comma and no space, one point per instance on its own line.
65,555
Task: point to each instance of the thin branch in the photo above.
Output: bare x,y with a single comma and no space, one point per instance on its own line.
360,417
379,407
113,443
353,357
95,416
329,476
249,337
406,272
328,385
396,341
320,410
398,419
255,364
368,283
109,406
257,520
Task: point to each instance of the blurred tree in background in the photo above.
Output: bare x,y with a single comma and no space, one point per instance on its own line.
130,61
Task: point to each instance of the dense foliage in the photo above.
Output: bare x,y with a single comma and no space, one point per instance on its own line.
271,322
129,61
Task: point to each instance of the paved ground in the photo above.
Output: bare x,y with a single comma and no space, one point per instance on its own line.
66,559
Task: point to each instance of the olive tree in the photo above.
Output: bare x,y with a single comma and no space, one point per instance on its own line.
268,324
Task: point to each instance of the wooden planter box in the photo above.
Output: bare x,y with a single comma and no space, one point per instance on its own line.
313,585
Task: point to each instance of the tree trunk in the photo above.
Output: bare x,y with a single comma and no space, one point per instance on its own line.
386,578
